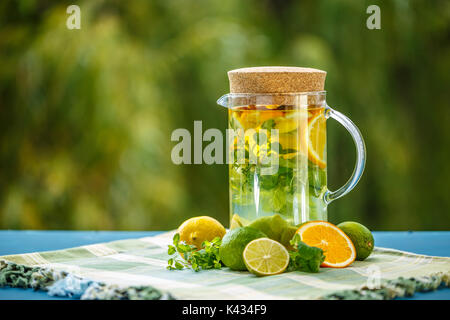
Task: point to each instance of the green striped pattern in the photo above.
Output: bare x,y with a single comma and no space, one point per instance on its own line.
143,261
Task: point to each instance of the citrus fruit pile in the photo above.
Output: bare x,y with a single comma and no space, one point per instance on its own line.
269,245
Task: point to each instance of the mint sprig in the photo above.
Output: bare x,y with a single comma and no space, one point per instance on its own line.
205,258
304,258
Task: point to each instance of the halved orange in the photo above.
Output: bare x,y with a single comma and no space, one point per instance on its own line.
317,139
337,247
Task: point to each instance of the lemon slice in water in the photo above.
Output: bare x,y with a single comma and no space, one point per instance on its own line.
316,140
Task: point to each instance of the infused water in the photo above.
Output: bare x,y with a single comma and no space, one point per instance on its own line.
295,188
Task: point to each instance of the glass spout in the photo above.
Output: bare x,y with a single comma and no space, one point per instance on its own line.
224,100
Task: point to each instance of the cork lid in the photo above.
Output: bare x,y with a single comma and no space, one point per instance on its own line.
276,80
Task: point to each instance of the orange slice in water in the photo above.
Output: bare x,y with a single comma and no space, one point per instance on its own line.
316,139
337,247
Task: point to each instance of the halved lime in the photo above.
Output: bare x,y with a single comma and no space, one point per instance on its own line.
265,257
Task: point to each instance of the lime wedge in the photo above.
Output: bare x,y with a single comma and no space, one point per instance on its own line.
265,257
237,221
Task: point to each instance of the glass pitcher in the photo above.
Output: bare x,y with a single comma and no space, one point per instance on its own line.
277,149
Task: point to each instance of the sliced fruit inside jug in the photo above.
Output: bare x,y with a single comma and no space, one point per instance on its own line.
294,188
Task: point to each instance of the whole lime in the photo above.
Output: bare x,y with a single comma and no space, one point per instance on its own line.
276,228
273,226
361,237
287,236
233,244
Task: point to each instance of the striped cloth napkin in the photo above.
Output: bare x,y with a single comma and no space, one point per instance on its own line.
136,269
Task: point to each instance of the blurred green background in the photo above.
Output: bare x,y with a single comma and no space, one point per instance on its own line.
86,115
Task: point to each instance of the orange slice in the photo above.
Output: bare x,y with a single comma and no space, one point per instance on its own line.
337,247
317,139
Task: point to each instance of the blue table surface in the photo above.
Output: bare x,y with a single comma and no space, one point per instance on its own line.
14,242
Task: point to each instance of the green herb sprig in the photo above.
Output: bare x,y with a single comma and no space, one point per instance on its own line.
304,258
205,258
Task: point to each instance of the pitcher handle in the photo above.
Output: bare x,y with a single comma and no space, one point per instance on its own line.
330,196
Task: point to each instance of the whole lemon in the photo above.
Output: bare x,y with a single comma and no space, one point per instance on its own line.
198,229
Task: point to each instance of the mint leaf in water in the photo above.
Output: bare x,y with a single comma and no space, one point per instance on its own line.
268,124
